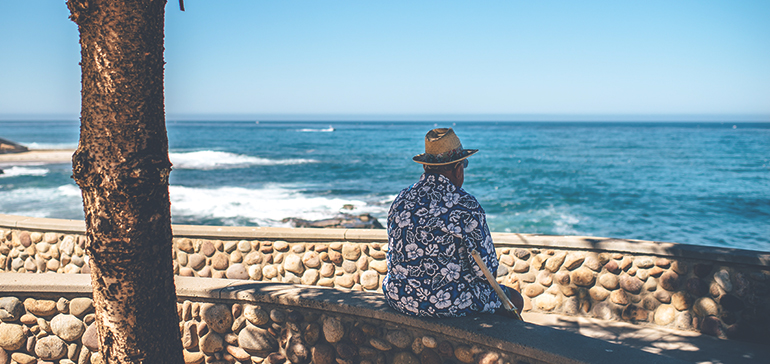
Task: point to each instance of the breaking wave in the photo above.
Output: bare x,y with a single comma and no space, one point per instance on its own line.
209,159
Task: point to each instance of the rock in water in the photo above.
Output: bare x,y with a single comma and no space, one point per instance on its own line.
7,146
343,221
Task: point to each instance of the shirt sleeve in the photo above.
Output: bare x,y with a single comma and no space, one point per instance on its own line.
480,240
476,236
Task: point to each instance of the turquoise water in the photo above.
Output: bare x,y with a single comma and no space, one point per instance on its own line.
694,183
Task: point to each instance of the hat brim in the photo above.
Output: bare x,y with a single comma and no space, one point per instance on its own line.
425,158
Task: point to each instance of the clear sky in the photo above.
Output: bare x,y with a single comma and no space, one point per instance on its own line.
505,59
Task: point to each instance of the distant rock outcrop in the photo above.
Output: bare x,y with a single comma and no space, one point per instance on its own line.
7,146
345,221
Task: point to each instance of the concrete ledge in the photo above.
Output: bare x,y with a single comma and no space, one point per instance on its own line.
525,339
43,224
538,343
513,240
46,283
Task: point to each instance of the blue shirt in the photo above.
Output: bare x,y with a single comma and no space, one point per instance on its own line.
432,228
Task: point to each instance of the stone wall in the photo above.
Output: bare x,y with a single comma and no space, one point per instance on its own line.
718,293
63,330
269,323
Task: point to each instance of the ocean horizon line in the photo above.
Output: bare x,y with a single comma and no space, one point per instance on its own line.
429,117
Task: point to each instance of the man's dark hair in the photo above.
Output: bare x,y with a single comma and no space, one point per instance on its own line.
441,168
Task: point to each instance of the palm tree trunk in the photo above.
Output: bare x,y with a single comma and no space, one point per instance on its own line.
122,168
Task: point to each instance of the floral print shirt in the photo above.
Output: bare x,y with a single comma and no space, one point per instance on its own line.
432,228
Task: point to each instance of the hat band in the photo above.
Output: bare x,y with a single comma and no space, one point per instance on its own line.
445,157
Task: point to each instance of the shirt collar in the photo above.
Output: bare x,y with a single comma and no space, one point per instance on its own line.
440,178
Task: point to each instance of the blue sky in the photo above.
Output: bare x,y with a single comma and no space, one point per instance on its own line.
433,59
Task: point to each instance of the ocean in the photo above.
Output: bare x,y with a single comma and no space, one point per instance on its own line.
692,183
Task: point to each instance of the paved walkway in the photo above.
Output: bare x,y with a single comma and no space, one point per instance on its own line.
683,345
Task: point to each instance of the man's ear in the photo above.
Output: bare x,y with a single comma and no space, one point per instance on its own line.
458,168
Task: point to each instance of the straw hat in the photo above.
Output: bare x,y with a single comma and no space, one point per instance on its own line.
442,146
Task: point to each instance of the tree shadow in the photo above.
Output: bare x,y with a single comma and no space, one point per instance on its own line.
684,345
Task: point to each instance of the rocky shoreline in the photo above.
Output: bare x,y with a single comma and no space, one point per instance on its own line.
7,146
343,221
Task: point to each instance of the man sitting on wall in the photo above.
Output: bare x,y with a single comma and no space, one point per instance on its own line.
433,226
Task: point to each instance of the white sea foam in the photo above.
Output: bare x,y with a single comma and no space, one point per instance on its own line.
327,130
68,191
562,219
559,220
209,159
265,207
388,200
23,171
50,146
49,194
565,224
63,202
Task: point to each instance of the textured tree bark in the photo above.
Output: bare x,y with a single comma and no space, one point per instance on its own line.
122,168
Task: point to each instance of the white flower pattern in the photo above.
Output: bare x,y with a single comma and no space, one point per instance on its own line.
403,219
441,300
432,227
413,252
451,199
409,304
451,272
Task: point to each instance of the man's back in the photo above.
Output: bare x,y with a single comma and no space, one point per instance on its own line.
432,228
